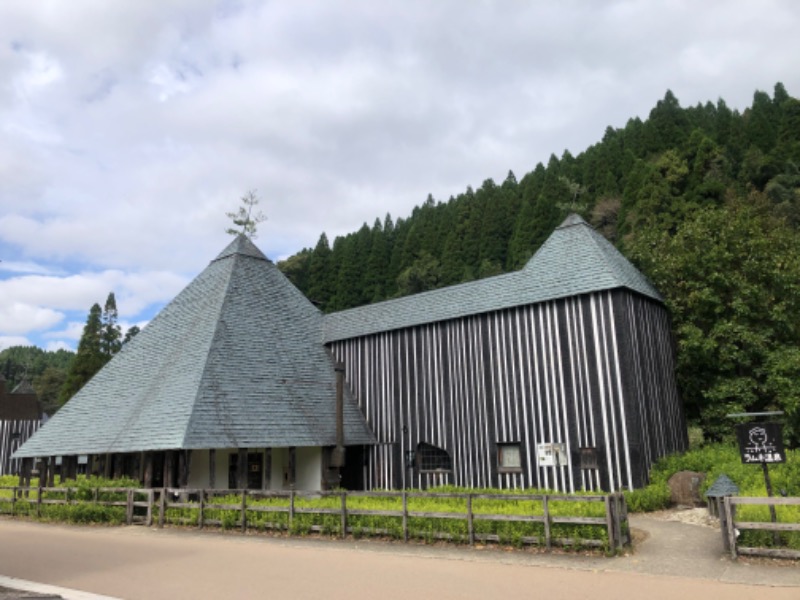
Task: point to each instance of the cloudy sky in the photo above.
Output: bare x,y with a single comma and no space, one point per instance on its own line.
129,129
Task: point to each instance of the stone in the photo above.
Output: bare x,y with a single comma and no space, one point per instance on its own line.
684,487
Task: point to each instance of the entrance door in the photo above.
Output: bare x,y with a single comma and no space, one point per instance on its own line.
353,470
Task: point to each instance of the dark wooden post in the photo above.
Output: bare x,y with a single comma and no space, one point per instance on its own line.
117,466
212,468
241,469
183,468
65,468
51,471
107,466
148,470
43,473
268,468
169,458
292,466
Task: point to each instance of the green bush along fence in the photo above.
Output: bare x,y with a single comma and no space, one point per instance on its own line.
78,504
747,527
590,521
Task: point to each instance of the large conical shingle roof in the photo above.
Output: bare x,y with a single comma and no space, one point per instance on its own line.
234,361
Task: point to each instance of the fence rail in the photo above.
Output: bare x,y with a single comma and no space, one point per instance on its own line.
730,527
156,503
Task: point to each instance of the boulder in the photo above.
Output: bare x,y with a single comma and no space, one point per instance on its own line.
684,488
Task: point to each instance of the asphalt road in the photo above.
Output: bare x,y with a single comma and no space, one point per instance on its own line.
134,562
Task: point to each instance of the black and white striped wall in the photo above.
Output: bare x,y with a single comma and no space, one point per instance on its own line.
14,433
589,371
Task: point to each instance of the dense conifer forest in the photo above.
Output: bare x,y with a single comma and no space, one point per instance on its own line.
705,200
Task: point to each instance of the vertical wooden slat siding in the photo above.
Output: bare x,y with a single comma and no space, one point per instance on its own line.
8,445
594,371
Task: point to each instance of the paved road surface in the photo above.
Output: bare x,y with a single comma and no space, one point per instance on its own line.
134,562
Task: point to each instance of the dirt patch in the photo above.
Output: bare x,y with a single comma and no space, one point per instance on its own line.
690,516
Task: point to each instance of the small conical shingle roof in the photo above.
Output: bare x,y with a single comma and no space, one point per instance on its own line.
234,361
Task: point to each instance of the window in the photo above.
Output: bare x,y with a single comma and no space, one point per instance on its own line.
430,458
509,458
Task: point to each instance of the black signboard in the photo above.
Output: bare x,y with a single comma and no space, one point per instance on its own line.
760,443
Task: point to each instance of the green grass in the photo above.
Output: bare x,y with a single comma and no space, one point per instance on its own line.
718,459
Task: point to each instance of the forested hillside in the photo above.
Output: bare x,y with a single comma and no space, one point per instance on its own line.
45,370
704,199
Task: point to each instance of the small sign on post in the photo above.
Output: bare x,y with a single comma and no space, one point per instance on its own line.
760,443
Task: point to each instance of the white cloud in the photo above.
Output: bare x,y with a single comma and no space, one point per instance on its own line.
37,302
56,345
8,341
17,317
120,157
72,331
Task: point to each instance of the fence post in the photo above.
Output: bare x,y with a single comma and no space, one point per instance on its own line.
405,516
66,496
13,500
129,508
150,497
730,511
723,523
39,500
617,521
344,514
546,507
201,518
291,509
244,511
162,507
610,523
470,522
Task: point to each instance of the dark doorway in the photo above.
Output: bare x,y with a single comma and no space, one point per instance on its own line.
255,470
158,470
353,470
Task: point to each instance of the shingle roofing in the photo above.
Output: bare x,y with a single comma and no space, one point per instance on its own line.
21,404
574,260
234,361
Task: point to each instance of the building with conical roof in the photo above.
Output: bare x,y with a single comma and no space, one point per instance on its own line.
557,376
20,416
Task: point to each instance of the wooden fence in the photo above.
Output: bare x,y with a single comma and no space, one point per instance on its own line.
44,496
154,504
731,525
